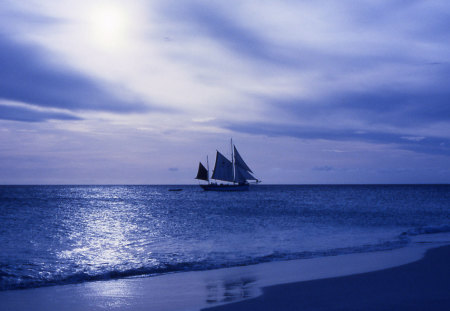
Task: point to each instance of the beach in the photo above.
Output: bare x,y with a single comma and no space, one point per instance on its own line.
401,279
421,285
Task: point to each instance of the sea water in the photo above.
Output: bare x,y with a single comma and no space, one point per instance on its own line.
70,234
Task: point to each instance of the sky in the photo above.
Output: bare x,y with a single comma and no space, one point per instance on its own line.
138,92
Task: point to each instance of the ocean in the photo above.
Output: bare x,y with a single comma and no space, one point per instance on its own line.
52,235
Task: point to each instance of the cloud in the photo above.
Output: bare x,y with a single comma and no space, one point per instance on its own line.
325,168
382,105
12,14
27,76
413,138
315,35
203,120
219,24
431,145
326,60
400,107
30,114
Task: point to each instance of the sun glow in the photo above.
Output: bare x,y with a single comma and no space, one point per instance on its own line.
110,25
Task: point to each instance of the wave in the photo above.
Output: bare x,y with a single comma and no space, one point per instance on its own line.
9,281
427,230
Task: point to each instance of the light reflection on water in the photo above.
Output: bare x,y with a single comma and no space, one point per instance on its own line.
106,234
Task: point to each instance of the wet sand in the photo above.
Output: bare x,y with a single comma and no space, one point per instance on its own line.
421,285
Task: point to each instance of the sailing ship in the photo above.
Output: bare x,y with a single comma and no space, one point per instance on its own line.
236,173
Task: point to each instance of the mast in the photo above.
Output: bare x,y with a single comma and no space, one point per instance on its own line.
232,161
207,166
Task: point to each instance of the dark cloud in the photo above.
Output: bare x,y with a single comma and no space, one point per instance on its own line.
19,113
26,76
428,145
212,21
409,108
399,108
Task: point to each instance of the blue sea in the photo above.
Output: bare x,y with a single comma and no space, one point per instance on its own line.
53,235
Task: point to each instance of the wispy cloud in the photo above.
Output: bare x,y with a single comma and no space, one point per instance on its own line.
27,75
325,168
414,138
431,145
27,113
218,22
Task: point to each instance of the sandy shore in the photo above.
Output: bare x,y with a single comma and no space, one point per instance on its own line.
404,281
421,285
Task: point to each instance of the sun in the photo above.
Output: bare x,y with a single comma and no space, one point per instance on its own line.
109,25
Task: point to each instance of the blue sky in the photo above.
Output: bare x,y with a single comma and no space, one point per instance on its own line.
137,92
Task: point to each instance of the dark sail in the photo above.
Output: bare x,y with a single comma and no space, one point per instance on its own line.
242,175
223,169
240,162
202,173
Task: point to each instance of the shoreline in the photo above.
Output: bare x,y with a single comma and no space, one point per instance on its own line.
197,290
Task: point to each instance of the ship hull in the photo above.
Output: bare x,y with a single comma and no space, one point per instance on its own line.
216,187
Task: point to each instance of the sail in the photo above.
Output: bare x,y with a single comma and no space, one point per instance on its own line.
242,175
239,162
223,170
202,173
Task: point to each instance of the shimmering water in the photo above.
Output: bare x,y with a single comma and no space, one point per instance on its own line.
68,234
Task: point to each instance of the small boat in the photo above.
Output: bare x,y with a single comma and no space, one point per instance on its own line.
236,172
175,189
